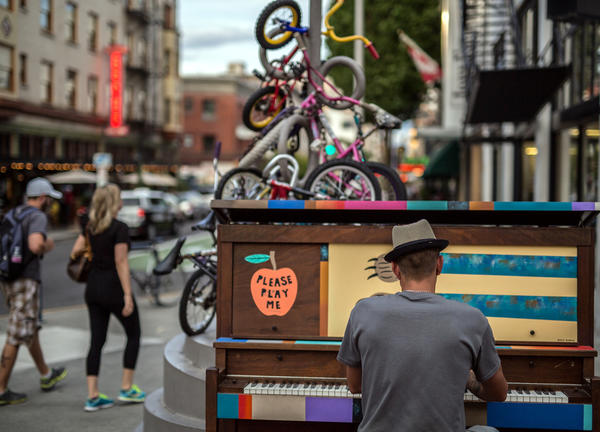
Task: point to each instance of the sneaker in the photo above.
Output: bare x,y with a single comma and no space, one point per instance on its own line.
12,398
134,394
57,375
99,402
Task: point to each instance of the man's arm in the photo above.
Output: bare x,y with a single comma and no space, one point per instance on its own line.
38,245
354,378
492,390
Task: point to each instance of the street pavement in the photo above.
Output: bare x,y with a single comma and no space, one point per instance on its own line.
65,340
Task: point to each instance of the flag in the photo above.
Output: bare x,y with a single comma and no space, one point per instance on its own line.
427,67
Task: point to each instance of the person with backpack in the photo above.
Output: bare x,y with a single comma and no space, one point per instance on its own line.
23,242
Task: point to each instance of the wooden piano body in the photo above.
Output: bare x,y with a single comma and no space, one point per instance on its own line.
290,272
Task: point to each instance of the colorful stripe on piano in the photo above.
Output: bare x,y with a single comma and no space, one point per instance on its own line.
288,408
540,416
420,205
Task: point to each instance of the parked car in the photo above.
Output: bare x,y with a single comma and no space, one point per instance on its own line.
194,204
173,202
147,214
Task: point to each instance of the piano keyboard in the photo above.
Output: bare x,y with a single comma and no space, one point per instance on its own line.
341,391
300,389
532,396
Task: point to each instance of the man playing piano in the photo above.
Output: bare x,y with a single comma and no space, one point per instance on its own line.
412,353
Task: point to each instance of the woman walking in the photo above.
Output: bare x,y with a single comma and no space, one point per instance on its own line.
108,291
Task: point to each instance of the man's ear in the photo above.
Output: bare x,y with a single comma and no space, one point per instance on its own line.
440,265
396,269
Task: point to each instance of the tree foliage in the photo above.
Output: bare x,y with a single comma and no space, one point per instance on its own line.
392,81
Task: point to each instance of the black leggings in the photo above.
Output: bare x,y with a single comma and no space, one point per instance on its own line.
99,317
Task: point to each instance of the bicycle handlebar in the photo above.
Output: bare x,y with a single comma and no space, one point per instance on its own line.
330,32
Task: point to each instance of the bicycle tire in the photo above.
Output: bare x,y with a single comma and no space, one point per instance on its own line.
356,176
281,74
262,30
189,298
229,189
291,138
256,153
358,73
258,105
392,187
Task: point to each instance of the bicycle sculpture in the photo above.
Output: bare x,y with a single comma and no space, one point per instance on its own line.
288,118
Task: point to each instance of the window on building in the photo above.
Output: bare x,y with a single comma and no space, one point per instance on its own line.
167,111
6,68
208,143
23,69
188,104
46,15
46,72
71,88
112,32
128,102
209,109
141,104
35,147
167,62
92,32
5,146
71,22
141,52
92,93
168,16
188,140
6,4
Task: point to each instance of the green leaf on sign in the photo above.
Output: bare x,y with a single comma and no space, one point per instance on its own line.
257,259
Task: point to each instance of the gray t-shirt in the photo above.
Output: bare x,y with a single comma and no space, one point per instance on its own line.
35,222
415,350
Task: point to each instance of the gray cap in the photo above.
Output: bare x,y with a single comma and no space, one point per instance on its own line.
40,186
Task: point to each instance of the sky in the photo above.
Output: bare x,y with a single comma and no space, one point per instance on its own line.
217,32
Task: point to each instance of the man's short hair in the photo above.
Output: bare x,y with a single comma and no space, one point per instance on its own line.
418,265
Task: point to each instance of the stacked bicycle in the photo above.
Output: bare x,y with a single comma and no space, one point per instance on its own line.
333,171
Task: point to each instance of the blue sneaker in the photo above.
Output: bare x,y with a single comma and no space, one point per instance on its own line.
99,402
134,394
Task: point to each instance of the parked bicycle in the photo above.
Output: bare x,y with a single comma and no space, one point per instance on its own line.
155,286
197,305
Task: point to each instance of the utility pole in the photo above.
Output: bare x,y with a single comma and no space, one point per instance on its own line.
359,29
314,46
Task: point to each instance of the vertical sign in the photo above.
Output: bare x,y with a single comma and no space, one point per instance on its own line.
116,126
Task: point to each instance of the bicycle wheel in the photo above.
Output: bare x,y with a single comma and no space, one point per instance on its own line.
240,183
262,107
161,286
343,180
344,70
271,17
198,304
392,188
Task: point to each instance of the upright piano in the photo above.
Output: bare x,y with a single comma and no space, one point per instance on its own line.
291,271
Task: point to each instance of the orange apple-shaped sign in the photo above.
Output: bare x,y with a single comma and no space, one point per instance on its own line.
274,290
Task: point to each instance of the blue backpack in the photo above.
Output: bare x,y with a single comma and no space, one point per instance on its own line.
12,243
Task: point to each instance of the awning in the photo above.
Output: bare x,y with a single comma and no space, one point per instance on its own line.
445,162
75,176
513,95
150,179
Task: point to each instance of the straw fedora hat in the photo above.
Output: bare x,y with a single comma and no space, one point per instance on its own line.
412,238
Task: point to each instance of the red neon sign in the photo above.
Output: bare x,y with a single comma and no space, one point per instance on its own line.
116,88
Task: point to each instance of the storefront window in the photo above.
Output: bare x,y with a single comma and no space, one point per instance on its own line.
529,155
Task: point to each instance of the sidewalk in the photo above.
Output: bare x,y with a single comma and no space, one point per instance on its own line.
58,234
65,340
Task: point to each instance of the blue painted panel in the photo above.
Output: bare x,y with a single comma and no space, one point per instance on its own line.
286,204
510,265
535,415
532,206
227,406
526,307
458,205
587,417
228,339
